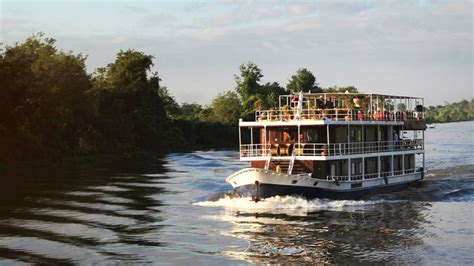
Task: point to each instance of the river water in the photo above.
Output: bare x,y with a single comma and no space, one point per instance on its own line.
177,209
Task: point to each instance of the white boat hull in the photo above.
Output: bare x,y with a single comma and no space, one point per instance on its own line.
260,183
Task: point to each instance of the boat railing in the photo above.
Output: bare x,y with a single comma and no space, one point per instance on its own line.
332,149
360,177
255,150
337,114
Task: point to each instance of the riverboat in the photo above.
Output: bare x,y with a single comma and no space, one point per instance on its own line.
332,145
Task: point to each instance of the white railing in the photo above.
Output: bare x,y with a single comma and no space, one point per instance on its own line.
371,175
338,114
255,150
323,149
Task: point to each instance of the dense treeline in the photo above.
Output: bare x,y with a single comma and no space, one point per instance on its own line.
451,112
50,107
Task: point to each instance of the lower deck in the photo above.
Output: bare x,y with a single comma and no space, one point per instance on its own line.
347,169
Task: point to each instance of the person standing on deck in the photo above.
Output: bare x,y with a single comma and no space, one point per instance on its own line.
395,140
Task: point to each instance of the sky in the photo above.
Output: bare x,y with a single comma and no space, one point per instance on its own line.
416,48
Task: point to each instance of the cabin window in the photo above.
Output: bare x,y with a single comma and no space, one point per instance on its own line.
355,133
397,162
409,161
338,134
356,167
370,133
385,164
371,165
383,133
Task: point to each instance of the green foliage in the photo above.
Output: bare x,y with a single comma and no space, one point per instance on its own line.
304,81
193,111
401,107
459,111
45,101
247,82
51,108
226,108
132,106
269,95
335,89
253,95
172,108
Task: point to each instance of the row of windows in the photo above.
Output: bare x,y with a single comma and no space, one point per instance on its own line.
339,167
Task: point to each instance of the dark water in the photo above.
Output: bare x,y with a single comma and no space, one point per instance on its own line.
175,210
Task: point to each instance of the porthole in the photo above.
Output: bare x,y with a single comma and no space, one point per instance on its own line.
315,183
294,181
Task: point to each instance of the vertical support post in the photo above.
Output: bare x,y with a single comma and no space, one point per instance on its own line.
423,113
299,139
363,168
403,163
395,109
348,151
265,146
423,147
370,106
349,169
364,144
391,166
378,166
240,134
327,137
251,141
379,138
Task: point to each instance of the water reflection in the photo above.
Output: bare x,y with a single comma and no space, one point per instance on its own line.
51,215
351,233
171,209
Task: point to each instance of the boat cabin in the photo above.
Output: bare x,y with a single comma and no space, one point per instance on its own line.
347,136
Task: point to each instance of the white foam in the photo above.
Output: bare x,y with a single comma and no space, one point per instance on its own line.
285,203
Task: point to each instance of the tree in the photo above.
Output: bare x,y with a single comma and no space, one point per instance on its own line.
349,89
401,107
269,94
226,108
169,103
45,104
193,111
132,112
248,83
304,81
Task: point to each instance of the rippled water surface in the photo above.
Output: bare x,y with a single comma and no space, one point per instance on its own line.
177,209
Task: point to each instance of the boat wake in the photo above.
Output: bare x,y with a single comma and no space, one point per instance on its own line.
285,203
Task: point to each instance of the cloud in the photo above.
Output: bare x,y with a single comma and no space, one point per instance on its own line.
373,44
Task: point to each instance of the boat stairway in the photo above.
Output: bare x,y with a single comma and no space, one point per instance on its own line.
298,168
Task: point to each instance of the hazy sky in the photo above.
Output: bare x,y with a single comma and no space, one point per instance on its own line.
419,48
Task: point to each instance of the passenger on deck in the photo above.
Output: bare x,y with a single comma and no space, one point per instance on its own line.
330,107
320,102
395,139
329,104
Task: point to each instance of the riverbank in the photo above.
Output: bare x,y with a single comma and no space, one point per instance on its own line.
123,160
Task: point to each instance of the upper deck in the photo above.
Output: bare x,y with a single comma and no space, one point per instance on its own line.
345,108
